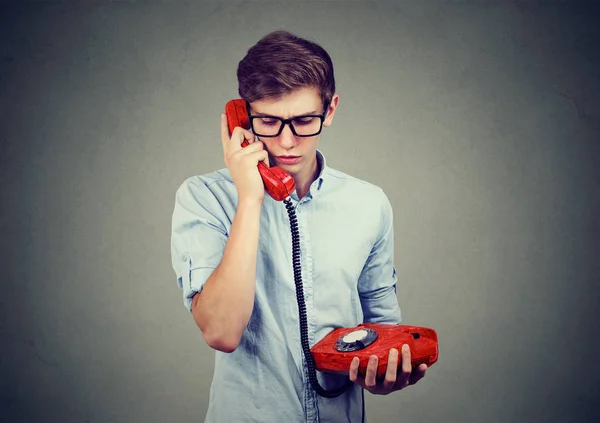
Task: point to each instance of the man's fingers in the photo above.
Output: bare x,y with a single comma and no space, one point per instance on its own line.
253,147
406,368
247,153
371,376
418,374
255,150
238,135
406,364
392,369
259,156
354,369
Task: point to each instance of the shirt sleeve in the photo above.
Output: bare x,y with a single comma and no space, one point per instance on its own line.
377,282
198,237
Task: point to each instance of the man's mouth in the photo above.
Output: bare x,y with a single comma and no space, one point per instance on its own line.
287,159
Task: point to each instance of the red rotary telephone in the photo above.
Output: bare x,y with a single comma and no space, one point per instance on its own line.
334,353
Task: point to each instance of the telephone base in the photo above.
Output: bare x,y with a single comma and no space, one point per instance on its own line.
334,353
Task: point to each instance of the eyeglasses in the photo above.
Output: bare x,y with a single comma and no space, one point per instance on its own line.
301,126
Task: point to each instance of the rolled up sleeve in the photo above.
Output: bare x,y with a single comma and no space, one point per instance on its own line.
377,282
198,237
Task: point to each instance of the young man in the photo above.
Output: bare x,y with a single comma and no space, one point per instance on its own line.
232,250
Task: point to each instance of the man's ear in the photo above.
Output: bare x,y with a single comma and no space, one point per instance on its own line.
331,111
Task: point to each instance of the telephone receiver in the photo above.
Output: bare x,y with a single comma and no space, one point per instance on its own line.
278,183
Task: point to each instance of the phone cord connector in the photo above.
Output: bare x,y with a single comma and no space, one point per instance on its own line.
310,361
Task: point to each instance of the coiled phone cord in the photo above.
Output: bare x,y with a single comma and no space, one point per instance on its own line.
310,361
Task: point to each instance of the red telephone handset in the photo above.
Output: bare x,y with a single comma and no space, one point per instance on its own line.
278,183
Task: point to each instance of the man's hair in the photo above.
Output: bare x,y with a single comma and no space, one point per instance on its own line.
281,62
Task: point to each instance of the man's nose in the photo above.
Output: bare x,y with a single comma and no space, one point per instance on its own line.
287,139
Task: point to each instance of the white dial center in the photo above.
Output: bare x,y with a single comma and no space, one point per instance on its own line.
357,335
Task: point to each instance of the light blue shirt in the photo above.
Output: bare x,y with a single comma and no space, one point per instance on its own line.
347,252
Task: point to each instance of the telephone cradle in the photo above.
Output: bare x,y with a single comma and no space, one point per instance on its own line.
334,353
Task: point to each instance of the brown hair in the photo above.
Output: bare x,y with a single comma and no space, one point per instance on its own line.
281,62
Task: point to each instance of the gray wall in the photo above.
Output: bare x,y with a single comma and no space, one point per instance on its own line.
480,120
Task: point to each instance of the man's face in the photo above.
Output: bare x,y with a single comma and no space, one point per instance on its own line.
301,151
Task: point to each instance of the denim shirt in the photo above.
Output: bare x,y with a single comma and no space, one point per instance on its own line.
348,275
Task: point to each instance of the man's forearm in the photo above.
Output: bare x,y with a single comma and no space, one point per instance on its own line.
224,307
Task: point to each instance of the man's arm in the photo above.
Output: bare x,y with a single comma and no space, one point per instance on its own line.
215,264
377,289
220,290
224,306
377,281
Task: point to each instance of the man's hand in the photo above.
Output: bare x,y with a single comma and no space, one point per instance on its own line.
242,162
394,380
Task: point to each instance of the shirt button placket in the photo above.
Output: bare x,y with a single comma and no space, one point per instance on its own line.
312,415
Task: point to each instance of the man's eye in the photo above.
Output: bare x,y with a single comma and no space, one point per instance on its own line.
268,122
304,121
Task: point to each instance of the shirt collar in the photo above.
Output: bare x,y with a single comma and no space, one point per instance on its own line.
318,182
322,163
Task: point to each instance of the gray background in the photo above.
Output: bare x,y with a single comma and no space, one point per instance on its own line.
481,122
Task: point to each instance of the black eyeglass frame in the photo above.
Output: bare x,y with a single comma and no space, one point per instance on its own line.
285,122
